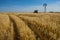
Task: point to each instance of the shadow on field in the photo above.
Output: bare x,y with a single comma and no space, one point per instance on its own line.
16,33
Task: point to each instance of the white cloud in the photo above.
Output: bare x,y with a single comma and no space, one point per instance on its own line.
21,9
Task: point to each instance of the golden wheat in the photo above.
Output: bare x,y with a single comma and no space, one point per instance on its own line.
29,26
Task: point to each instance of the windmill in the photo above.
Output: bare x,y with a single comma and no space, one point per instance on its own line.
44,5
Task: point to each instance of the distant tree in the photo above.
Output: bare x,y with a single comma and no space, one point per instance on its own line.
51,12
35,11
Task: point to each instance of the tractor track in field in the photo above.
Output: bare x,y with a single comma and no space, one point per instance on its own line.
16,33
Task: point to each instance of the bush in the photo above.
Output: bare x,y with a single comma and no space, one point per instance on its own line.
51,12
35,11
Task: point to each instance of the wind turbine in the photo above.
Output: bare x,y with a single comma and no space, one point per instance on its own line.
44,5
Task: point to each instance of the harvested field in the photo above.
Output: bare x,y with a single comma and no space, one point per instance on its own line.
29,26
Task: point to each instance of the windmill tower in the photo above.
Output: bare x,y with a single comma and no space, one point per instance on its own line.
44,5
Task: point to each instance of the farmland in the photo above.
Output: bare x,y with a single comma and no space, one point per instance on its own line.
29,26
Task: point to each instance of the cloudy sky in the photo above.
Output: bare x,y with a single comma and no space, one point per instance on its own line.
28,5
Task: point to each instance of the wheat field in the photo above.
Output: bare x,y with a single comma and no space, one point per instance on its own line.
29,26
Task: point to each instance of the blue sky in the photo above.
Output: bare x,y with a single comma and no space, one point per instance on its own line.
28,5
